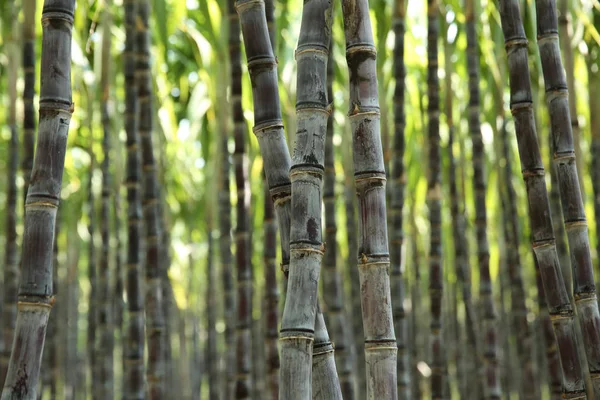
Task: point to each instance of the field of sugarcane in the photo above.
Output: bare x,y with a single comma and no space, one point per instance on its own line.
298,200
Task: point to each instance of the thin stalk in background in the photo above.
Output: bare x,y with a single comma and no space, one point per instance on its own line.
398,184
134,340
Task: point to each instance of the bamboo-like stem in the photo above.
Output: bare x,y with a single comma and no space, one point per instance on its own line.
557,99
369,174
8,311
29,118
306,245
352,268
594,106
492,389
398,183
155,319
434,193
35,297
211,320
271,298
559,307
416,340
550,344
244,359
461,254
134,340
54,332
92,317
529,388
333,290
224,206
565,33
325,381
105,339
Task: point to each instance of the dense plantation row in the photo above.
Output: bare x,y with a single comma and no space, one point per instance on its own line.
356,160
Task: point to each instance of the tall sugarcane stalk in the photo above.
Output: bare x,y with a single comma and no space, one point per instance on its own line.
211,320
271,298
35,290
352,275
434,193
492,387
271,295
544,248
105,339
553,362
461,254
594,105
133,343
155,318
8,311
528,386
565,33
398,183
298,329
557,99
224,205
268,123
54,332
369,174
333,290
243,341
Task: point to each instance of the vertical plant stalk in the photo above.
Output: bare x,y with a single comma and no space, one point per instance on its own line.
434,193
333,289
211,320
92,317
244,359
229,301
325,381
352,267
134,340
461,254
105,342
8,311
54,332
593,62
550,345
271,299
155,319
398,183
369,174
557,98
35,297
565,32
492,389
544,248
416,331
529,387
119,289
298,329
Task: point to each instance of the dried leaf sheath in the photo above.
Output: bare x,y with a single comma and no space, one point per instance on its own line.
134,342
559,307
35,290
369,174
557,95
